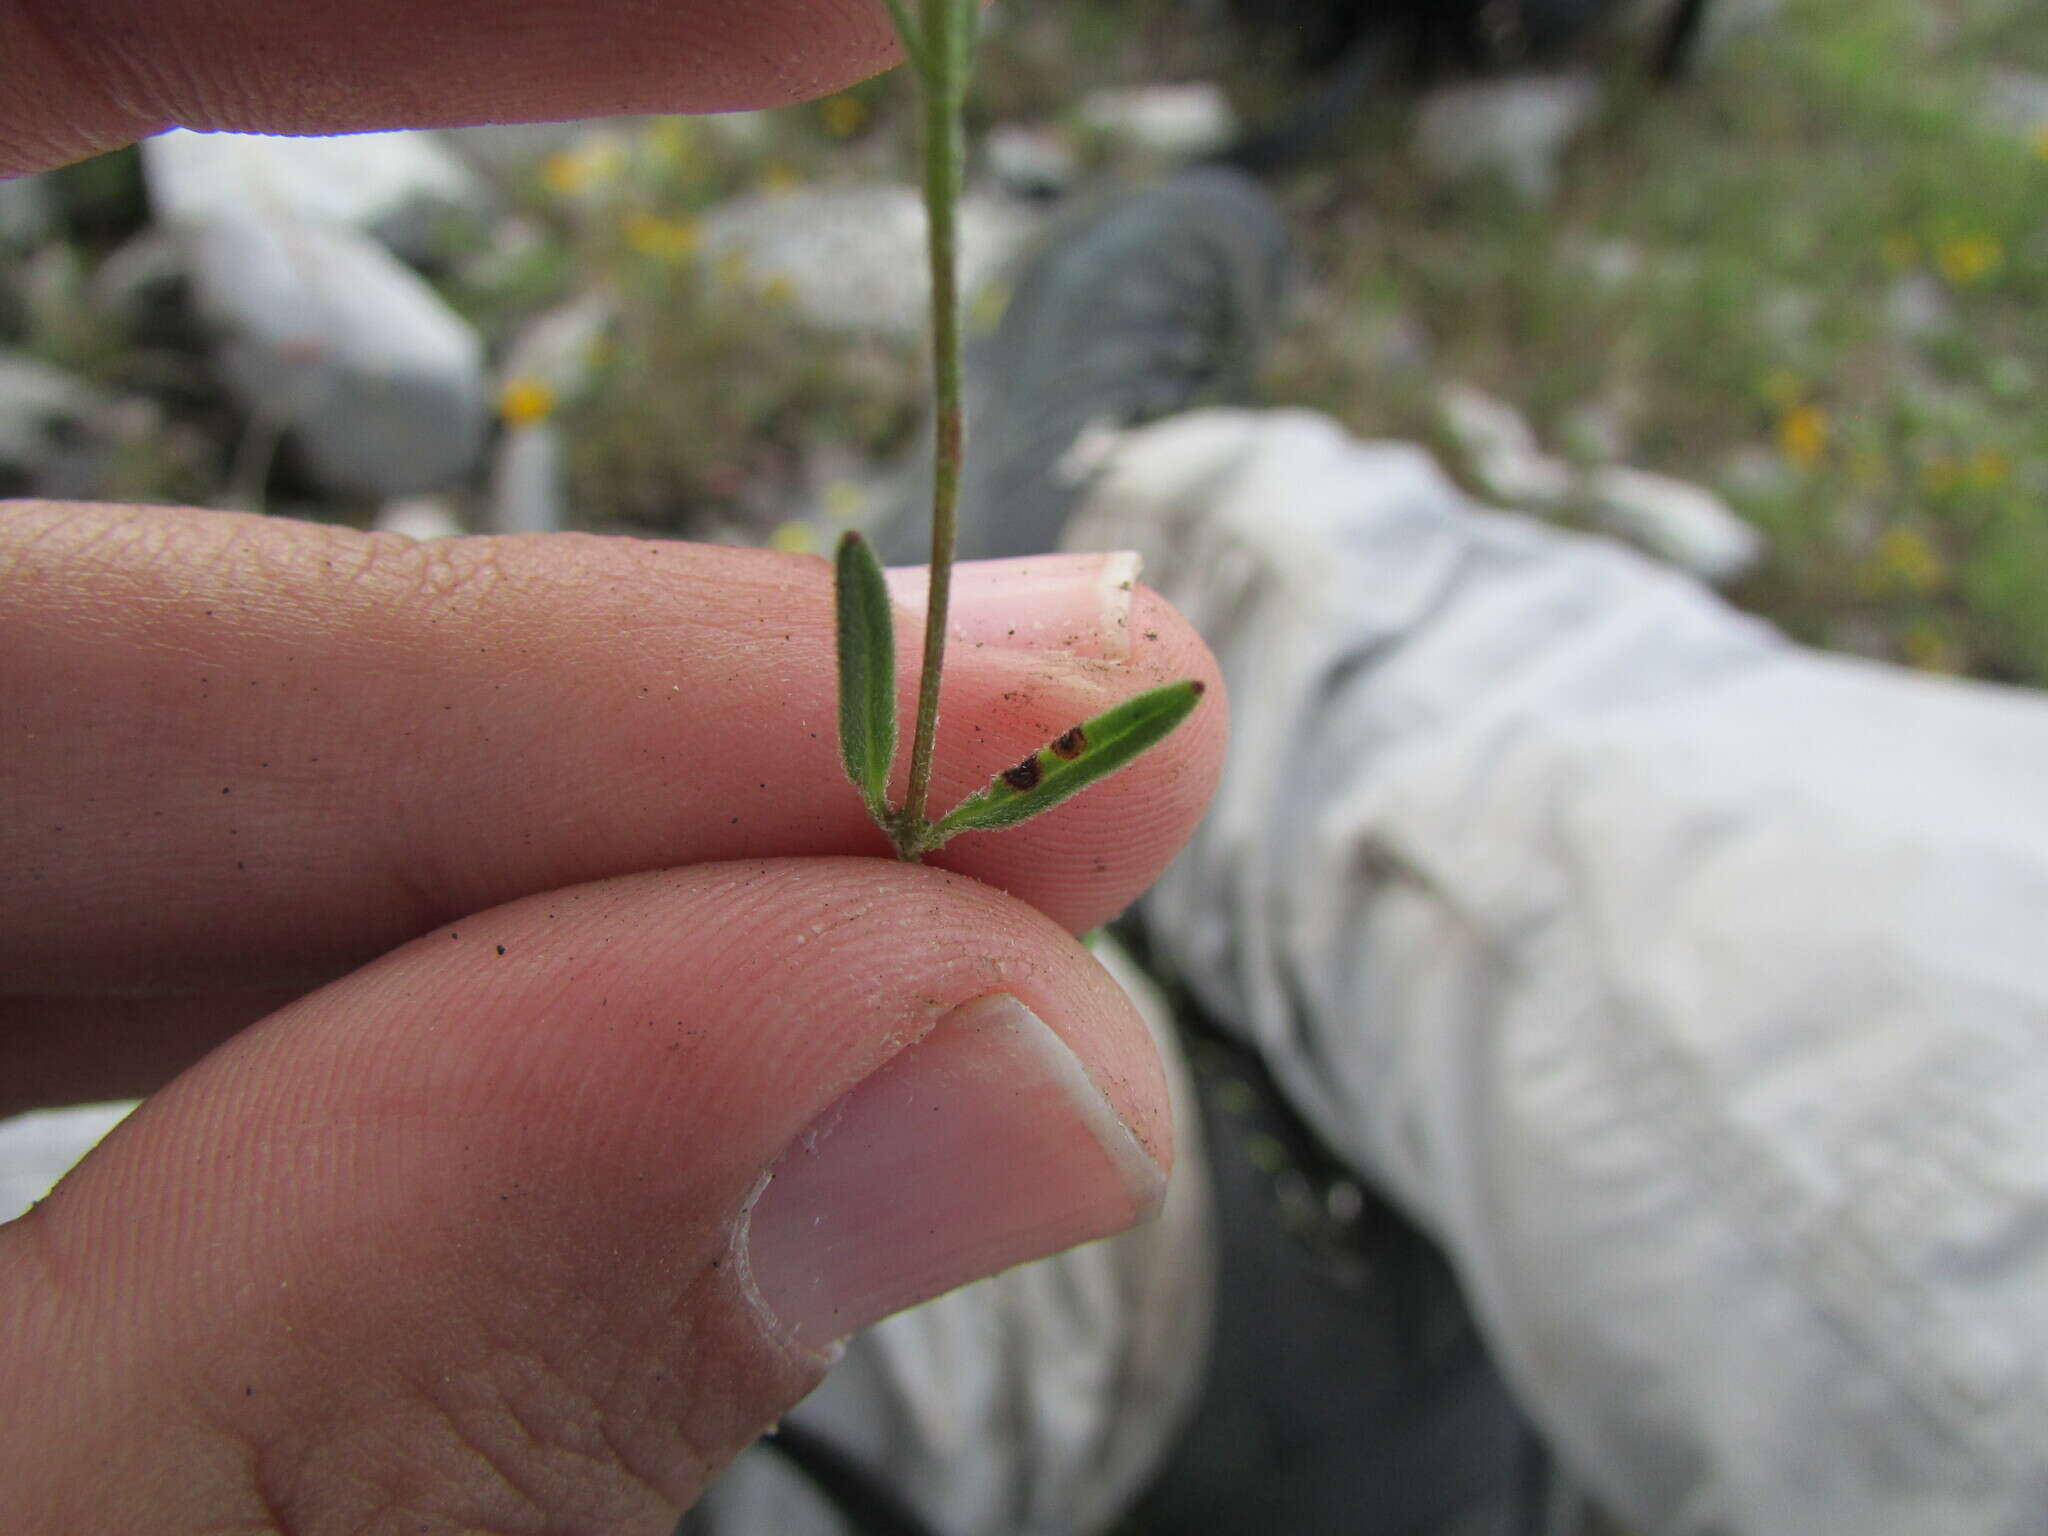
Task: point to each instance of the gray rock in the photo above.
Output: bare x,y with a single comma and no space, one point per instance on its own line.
48,428
1174,122
855,255
1501,450
27,212
326,334
1030,162
1917,307
1685,524
1516,127
2016,100
397,186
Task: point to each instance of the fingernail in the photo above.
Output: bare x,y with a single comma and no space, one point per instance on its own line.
1080,604
984,1145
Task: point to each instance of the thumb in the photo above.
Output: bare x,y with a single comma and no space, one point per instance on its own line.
534,1223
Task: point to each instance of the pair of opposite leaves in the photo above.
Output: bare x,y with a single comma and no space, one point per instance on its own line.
1057,771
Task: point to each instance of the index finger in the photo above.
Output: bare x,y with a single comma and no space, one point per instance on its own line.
243,752
80,76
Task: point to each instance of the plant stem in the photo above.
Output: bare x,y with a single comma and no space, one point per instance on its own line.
944,49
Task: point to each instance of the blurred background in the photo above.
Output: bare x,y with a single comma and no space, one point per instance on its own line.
1757,284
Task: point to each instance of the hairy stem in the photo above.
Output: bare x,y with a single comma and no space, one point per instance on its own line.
944,50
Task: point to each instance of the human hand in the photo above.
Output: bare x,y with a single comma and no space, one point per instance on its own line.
452,1233
481,918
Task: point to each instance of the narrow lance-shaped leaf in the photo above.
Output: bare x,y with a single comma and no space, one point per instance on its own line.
867,673
1070,763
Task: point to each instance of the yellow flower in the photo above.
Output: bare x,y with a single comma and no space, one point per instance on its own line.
1989,469
779,291
844,116
562,174
779,178
1969,259
671,141
844,502
1905,559
794,539
2038,142
662,239
525,401
1926,647
1803,434
593,163
731,268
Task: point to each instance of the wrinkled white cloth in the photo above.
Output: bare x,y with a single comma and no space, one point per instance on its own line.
1689,986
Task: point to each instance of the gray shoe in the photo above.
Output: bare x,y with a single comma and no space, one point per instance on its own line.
1129,311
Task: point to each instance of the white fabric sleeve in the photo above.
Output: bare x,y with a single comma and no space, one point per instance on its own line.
1689,986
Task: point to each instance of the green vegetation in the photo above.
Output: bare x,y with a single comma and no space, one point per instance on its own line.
1815,279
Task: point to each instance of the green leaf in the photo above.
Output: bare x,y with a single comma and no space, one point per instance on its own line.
867,673
1070,763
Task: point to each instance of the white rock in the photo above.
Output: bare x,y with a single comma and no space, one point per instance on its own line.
45,414
38,1149
418,517
527,481
2017,100
1916,307
26,211
1176,122
1596,431
1501,450
1610,263
740,130
327,334
1685,524
393,185
1516,127
1031,162
855,255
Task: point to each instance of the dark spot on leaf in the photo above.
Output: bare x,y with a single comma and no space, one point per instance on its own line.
1071,745
1025,775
